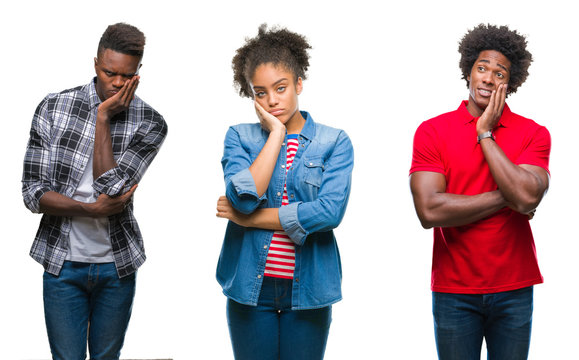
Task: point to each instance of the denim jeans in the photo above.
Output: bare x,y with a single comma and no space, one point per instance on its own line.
87,302
272,331
503,319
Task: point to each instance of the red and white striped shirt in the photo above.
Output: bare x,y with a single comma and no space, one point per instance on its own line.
281,257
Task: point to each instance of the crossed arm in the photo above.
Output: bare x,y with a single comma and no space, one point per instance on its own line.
261,170
521,187
54,203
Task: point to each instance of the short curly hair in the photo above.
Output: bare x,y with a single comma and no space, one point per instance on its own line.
276,46
123,38
508,42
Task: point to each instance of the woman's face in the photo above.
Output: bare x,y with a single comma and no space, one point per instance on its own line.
276,90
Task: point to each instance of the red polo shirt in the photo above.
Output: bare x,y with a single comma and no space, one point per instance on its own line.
496,253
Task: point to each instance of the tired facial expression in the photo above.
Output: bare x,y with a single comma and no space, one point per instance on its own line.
490,69
113,69
276,90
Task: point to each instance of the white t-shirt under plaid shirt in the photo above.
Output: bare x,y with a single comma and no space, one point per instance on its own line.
281,257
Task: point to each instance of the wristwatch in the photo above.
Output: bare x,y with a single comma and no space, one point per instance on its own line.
488,134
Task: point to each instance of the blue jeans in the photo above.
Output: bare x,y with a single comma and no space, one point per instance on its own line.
503,319
87,302
272,331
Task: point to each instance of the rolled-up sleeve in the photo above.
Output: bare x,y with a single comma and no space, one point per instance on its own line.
240,187
134,162
35,179
324,213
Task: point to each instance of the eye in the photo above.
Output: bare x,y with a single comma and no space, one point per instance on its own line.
500,75
481,68
281,89
108,73
260,94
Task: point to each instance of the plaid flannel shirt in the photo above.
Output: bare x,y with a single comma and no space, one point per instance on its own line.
61,142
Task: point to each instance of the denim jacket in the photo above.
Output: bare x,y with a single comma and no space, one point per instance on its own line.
318,187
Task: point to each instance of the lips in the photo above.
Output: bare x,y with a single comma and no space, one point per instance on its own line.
276,112
485,92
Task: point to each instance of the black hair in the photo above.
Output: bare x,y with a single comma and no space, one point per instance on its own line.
123,38
276,46
508,42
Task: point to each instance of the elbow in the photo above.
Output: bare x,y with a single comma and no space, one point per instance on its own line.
427,218
426,223
527,202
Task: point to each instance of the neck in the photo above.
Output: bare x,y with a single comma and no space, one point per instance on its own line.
295,123
473,108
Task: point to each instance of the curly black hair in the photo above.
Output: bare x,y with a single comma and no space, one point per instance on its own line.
123,38
508,42
276,46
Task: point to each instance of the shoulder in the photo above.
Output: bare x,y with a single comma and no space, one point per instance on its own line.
248,130
147,113
79,92
528,126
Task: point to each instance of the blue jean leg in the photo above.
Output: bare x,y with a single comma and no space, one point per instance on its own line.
86,294
272,331
458,326
508,330
461,321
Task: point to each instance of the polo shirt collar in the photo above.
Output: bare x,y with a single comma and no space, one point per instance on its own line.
466,117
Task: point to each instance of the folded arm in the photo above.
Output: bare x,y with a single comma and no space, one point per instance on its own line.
436,208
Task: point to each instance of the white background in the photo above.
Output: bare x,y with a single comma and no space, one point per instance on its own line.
376,71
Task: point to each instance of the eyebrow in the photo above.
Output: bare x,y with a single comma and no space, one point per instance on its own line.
274,84
500,65
104,69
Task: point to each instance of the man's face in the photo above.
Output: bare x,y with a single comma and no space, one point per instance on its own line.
490,69
113,69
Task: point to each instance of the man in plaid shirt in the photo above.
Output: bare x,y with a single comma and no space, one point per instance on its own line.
89,147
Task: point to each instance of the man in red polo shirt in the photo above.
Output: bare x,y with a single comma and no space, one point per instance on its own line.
478,173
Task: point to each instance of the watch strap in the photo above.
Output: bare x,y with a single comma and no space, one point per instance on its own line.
488,134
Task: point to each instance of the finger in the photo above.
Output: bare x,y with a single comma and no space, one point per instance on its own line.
129,94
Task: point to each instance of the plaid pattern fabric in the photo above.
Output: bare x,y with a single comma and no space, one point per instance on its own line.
61,141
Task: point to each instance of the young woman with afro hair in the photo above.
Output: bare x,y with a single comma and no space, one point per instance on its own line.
287,182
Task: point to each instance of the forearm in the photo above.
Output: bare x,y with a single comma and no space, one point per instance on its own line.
262,168
103,159
53,203
522,188
447,210
266,218
437,208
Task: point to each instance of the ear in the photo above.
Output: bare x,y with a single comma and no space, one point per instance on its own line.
95,62
299,85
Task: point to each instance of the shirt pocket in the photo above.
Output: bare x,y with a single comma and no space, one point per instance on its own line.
314,169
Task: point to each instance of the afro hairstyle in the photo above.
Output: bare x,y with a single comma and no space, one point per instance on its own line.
275,46
499,38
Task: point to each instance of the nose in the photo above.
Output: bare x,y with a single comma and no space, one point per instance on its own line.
272,100
118,81
488,77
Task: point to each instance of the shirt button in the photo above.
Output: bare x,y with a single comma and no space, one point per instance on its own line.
283,166
292,196
259,276
282,144
311,164
265,246
297,280
278,193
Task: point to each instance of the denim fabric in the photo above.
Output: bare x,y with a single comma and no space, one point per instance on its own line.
86,294
462,320
318,187
272,331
